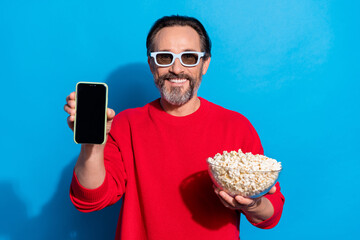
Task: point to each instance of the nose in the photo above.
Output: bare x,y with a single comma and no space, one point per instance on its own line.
177,67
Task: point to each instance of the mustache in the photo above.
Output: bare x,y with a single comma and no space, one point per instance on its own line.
168,76
175,76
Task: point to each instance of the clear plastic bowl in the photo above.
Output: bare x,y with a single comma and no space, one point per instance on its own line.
252,184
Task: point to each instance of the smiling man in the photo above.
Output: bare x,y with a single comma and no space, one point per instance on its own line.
155,155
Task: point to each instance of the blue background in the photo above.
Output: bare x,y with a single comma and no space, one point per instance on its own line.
291,67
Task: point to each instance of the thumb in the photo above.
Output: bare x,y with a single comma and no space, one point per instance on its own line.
272,190
110,114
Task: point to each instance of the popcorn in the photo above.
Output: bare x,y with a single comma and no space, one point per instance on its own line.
244,174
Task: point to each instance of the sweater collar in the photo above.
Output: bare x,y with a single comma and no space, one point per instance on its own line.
157,112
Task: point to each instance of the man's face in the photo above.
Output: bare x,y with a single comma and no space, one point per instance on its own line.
177,83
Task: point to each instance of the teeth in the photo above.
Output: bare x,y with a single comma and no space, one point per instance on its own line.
177,80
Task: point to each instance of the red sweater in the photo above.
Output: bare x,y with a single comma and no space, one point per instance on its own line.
157,162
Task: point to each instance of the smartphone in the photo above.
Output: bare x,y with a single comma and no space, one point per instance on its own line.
90,118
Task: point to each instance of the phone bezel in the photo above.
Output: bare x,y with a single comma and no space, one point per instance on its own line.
105,113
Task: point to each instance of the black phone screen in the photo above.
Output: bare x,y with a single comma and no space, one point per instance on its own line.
91,100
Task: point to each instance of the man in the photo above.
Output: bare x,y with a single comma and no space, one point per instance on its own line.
155,156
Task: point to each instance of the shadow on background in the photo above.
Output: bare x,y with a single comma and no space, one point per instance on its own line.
58,219
129,86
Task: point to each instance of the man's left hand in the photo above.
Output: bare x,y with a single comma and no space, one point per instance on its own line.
238,202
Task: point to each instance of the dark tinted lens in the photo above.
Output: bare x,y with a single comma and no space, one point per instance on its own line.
164,58
189,58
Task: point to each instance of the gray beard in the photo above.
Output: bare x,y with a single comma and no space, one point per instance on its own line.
174,95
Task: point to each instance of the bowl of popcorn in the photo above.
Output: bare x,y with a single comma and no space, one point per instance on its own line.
243,174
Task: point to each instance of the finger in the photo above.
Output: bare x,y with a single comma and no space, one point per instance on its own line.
243,201
110,114
70,122
228,199
70,119
71,96
69,110
272,190
71,103
216,190
225,203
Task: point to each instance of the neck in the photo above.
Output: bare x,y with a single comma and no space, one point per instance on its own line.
180,111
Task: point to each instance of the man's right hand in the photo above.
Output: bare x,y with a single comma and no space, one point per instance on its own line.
70,109
89,168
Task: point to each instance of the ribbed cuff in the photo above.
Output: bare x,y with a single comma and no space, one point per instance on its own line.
85,194
277,200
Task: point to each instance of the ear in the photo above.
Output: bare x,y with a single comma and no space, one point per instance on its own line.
206,65
151,65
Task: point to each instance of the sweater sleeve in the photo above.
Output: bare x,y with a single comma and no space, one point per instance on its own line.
111,190
277,200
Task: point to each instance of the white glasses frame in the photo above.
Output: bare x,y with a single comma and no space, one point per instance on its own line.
175,56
